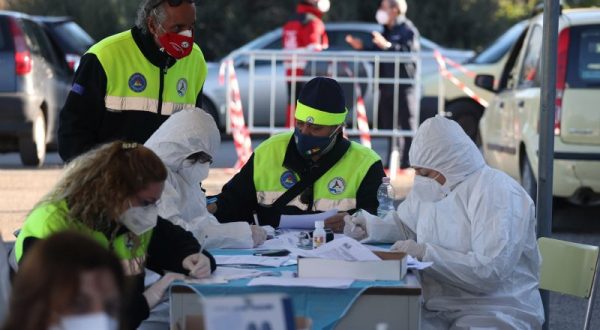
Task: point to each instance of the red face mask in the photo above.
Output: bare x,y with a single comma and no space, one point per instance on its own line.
178,45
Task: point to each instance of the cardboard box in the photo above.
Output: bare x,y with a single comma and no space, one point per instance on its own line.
392,267
196,322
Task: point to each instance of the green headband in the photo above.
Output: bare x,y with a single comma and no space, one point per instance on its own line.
315,116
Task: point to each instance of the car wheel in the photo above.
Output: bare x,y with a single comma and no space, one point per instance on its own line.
32,147
467,115
528,179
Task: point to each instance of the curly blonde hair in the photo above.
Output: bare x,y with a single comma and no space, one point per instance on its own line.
96,184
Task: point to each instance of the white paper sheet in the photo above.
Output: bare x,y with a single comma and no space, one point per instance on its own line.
250,260
304,221
344,248
332,283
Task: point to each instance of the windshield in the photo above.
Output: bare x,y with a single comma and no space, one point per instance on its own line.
496,50
72,38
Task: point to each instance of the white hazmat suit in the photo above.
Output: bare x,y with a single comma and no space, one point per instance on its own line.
480,237
183,202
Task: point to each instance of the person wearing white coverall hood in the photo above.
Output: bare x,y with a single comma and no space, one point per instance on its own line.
186,143
477,226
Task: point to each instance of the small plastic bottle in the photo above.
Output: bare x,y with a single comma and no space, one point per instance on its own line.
385,197
318,234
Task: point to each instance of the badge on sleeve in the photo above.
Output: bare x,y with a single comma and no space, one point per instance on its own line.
137,82
288,179
182,87
337,186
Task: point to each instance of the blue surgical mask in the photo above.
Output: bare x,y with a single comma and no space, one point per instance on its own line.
309,145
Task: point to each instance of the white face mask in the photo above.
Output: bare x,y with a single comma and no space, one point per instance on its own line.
382,17
323,5
140,219
95,321
194,173
427,189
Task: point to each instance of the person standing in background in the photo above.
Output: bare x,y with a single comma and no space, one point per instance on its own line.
304,31
399,35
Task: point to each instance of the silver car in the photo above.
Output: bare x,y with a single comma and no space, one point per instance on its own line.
214,93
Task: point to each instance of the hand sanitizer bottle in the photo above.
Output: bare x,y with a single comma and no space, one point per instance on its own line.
318,234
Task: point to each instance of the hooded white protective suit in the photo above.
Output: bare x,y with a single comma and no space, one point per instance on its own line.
480,237
183,202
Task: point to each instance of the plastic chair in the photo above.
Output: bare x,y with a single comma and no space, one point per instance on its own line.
569,268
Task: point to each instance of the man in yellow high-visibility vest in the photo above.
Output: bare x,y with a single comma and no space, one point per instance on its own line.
128,84
350,172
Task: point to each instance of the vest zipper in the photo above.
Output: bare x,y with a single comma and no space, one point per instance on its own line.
163,72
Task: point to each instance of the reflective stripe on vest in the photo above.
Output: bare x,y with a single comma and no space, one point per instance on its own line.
47,219
133,82
335,189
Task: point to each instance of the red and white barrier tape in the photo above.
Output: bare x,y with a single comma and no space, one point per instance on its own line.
441,60
241,135
361,113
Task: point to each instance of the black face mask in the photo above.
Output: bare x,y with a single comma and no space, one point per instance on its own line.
309,145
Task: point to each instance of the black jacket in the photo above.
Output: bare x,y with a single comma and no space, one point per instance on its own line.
84,121
169,245
237,200
404,37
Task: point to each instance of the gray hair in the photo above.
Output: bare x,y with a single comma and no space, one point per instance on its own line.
400,4
146,10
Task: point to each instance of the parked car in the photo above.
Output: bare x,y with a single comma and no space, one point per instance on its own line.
34,83
72,40
214,94
510,125
458,106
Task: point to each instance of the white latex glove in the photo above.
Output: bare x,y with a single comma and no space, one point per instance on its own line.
259,235
355,226
156,291
198,264
411,248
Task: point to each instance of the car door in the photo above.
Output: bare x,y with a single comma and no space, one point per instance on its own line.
496,124
56,77
524,103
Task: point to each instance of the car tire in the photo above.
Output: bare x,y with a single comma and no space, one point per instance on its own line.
32,147
467,115
528,179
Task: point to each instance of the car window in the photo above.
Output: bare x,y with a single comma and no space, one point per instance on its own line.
31,37
509,67
530,68
5,41
274,45
497,49
337,39
43,44
71,37
583,68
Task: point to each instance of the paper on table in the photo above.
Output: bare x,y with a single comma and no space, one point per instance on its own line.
304,221
344,248
413,263
333,283
233,273
250,260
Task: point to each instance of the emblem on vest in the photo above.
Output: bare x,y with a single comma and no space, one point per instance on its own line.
182,87
137,82
288,179
337,186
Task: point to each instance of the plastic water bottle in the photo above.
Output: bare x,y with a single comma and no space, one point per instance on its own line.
385,196
319,234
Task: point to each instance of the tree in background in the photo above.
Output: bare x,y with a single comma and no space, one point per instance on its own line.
225,25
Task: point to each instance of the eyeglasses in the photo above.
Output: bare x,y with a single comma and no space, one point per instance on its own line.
172,3
200,157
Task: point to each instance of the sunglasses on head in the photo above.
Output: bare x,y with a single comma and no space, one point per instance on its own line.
172,3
